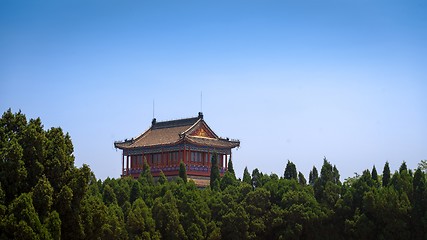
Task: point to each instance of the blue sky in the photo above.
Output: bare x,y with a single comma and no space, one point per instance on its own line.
295,80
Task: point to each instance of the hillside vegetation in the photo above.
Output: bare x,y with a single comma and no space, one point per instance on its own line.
44,196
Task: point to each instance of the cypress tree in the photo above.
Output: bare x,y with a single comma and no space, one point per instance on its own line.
386,175
183,171
227,180
291,171
214,171
247,176
419,206
314,174
326,173
162,178
135,191
146,173
301,179
230,167
336,175
403,167
256,178
423,166
374,174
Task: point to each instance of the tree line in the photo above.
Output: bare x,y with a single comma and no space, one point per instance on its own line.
44,196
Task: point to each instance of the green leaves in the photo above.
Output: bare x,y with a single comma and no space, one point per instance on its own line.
247,176
22,221
183,171
215,176
167,217
386,175
290,171
12,168
44,196
139,221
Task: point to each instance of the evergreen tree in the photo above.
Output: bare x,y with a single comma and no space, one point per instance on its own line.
386,175
247,176
256,175
326,173
301,179
194,232
423,165
122,188
140,222
291,171
227,180
374,174
166,216
216,186
33,142
108,195
183,171
162,178
43,197
135,191
235,224
403,167
419,209
327,187
93,218
230,167
336,175
146,176
115,227
214,170
23,221
53,225
12,167
313,176
59,161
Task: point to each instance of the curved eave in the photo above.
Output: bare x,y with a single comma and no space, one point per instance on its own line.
129,146
216,143
122,145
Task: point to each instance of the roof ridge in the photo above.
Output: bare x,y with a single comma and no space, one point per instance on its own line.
178,119
192,126
175,123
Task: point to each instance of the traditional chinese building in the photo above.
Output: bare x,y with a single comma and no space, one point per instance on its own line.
165,144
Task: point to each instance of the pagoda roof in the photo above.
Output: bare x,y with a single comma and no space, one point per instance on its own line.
193,130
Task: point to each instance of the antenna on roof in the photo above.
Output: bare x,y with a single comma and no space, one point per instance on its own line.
201,101
154,119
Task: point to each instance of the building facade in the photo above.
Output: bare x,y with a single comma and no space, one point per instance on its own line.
165,144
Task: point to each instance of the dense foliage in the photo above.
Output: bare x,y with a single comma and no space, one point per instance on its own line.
44,196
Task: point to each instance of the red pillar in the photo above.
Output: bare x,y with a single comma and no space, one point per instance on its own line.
127,165
123,163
